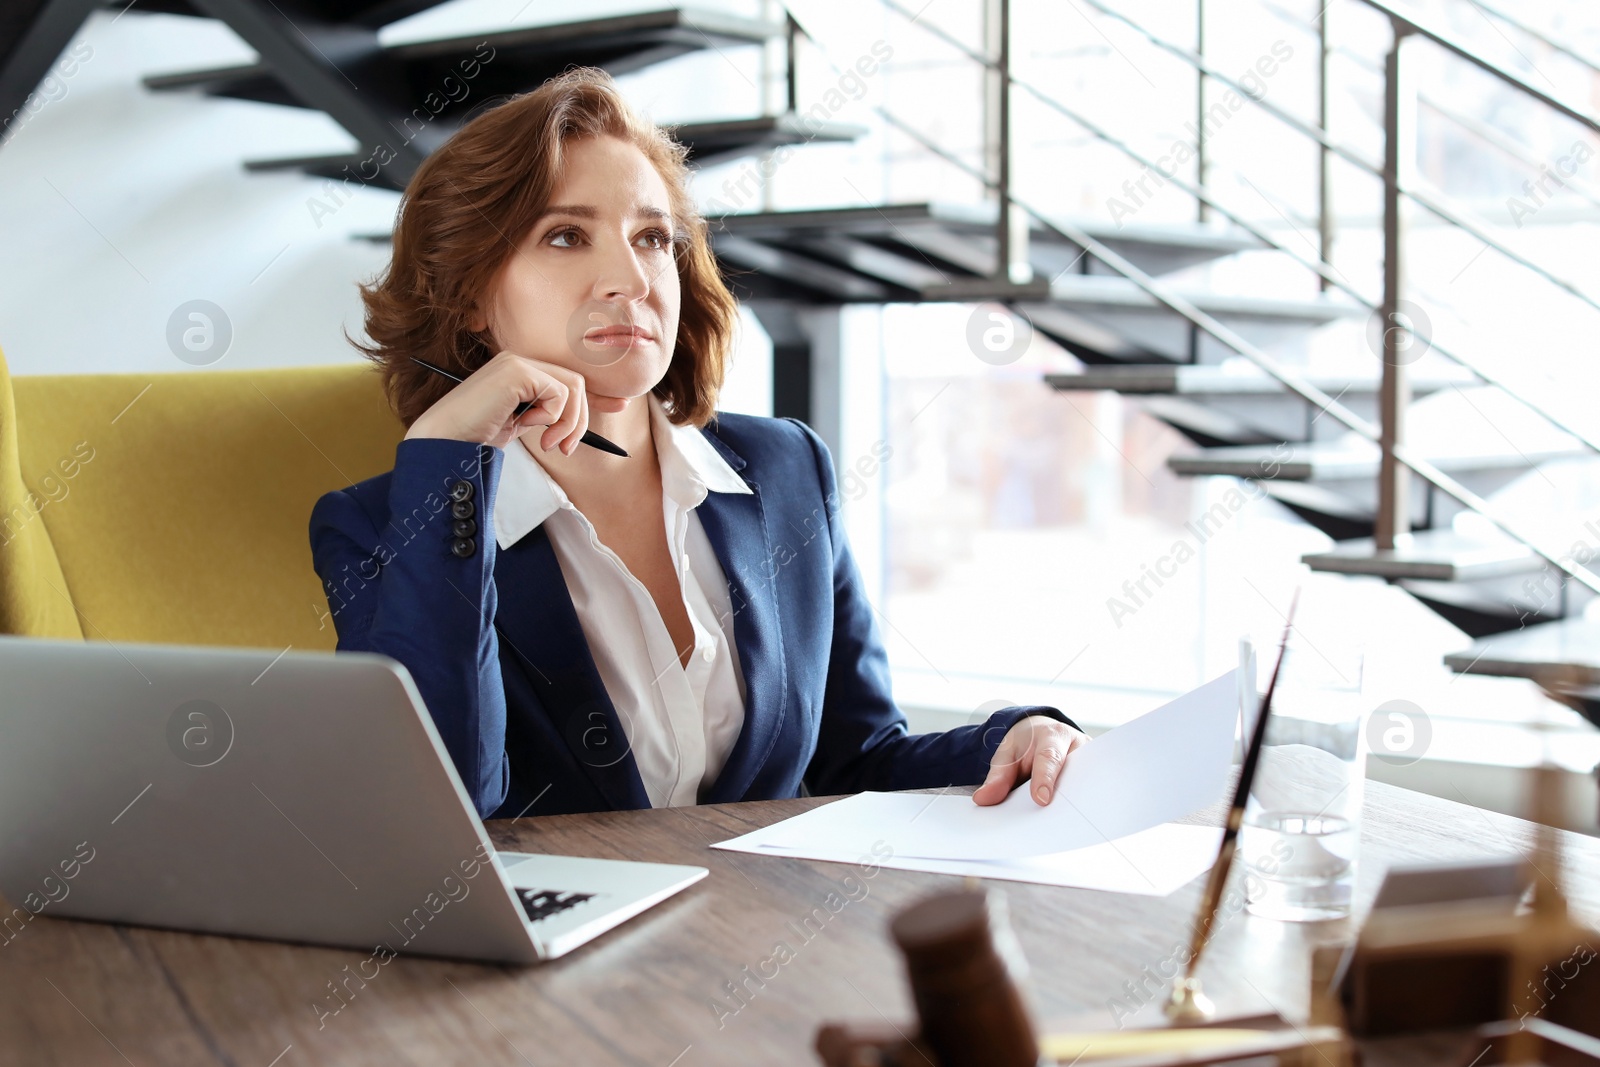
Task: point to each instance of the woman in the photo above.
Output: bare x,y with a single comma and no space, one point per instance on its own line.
685,625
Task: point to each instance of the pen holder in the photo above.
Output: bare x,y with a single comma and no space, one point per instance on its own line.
965,966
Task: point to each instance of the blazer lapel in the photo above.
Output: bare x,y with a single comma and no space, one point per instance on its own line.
736,526
541,627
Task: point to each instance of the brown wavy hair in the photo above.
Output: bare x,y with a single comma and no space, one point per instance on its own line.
477,195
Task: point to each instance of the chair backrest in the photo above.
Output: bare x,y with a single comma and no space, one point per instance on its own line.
173,508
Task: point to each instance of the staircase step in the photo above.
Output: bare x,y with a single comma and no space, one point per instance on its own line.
709,143
1163,248
863,257
1206,381
1346,460
1207,427
936,251
339,167
1433,555
1566,652
915,253
1333,513
1494,605
778,271
360,12
240,81
1148,332
958,239
1095,343
1113,292
521,59
160,7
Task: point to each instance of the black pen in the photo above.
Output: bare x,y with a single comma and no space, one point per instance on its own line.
590,438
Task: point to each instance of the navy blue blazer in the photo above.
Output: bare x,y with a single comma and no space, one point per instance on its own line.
493,642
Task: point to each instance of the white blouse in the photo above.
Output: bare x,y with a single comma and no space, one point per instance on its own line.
681,722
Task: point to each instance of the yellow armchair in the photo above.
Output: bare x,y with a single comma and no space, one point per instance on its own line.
173,507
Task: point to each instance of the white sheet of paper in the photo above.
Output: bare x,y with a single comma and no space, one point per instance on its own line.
1157,768
1153,862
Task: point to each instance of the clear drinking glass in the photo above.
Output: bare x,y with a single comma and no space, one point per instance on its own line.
1302,820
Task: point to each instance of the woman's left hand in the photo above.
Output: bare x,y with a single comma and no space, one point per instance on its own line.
1035,747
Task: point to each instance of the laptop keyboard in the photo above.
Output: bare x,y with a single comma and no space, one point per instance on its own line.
541,904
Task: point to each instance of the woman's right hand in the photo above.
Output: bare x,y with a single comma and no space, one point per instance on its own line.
479,408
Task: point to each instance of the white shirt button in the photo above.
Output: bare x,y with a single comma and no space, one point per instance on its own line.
709,654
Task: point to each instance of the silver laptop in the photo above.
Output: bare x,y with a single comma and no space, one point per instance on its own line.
298,796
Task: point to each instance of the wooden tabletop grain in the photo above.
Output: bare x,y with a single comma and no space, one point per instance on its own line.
682,985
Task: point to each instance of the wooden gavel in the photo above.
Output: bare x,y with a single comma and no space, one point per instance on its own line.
965,968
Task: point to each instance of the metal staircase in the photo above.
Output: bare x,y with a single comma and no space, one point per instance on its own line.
413,95
1499,579
908,253
1349,447
506,62
1414,509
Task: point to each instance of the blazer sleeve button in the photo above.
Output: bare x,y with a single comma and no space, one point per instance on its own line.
462,509
463,527
463,547
461,490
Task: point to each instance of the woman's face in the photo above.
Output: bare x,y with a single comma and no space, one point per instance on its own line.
593,286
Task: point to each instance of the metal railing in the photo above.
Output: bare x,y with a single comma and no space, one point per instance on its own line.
1393,519
1394,396
1374,168
1327,275
1397,461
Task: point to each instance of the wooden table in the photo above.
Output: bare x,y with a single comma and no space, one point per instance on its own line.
656,992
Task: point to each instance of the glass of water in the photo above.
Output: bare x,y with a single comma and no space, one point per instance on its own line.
1302,821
